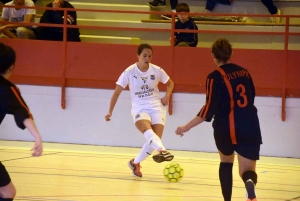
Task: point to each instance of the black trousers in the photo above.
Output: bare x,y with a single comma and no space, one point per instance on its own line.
270,6
6,1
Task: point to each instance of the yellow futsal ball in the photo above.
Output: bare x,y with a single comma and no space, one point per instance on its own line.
173,172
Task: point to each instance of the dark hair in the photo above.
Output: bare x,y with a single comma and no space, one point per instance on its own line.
182,7
222,49
142,47
7,58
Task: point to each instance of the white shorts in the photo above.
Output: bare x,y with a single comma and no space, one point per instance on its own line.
154,116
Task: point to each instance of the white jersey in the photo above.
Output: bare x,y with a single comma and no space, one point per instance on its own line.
13,15
143,86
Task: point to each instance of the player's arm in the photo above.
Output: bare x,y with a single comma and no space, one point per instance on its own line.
213,98
170,87
185,128
38,147
17,106
113,101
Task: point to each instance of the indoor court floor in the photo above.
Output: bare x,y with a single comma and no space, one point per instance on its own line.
68,172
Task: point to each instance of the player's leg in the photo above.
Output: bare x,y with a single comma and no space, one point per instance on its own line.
226,153
7,189
163,154
158,120
247,156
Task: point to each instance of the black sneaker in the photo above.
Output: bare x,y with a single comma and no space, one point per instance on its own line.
156,3
167,17
163,156
250,190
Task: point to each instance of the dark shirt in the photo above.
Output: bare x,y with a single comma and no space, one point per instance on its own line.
11,102
190,38
230,102
56,17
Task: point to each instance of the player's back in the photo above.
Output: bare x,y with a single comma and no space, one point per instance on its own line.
237,105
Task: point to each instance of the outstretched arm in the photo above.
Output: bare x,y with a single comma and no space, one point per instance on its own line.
113,101
194,122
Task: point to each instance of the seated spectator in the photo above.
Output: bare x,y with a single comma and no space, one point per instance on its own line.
57,17
18,15
184,22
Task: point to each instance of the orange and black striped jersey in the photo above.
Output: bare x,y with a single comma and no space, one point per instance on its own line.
230,97
11,102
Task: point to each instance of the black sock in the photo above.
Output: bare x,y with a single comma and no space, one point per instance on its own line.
225,175
6,199
249,174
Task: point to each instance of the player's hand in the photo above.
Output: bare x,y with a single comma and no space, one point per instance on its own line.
181,130
37,150
107,116
165,100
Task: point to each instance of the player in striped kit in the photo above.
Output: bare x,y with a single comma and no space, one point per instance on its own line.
230,97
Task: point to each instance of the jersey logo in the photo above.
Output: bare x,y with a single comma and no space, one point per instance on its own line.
135,77
144,87
137,116
144,79
152,77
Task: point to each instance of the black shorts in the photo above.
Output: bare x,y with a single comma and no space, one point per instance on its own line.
4,176
248,151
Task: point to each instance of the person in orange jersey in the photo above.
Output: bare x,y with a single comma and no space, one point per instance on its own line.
11,102
230,97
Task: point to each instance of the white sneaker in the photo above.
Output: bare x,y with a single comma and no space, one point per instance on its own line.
276,19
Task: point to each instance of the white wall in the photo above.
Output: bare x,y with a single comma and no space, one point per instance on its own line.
82,121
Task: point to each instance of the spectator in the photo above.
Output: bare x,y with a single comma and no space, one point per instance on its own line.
184,22
6,1
272,10
210,4
57,17
18,15
156,3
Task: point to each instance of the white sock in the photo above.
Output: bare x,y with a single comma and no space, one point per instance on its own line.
153,140
144,153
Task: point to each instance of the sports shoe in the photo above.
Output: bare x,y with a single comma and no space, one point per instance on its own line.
250,189
167,17
156,3
163,156
135,168
276,19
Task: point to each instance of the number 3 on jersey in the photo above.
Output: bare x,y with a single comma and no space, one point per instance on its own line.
242,90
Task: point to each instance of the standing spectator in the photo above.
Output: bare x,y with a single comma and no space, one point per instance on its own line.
273,10
57,17
184,22
230,97
20,15
6,1
156,3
